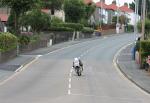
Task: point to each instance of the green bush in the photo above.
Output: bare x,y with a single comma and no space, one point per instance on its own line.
24,40
85,22
36,19
55,21
61,29
8,41
145,46
130,28
75,26
145,49
147,28
87,30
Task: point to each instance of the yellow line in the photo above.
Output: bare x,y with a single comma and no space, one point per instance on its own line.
17,73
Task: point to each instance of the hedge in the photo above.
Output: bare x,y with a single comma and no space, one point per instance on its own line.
147,27
55,21
60,29
8,42
24,40
145,49
74,26
87,30
130,28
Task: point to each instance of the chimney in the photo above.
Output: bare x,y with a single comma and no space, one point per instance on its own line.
114,2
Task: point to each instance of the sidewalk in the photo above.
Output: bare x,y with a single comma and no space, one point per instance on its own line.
132,70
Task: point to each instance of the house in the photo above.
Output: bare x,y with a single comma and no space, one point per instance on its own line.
101,14
105,13
112,11
58,13
88,2
129,13
4,14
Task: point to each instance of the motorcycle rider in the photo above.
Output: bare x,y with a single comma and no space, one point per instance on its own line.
77,62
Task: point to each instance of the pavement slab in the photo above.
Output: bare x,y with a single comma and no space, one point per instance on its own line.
132,70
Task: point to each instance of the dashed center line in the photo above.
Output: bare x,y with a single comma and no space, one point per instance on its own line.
69,85
71,70
69,80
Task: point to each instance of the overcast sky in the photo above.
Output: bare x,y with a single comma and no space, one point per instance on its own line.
121,2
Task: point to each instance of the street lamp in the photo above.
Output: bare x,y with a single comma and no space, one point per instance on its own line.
143,20
136,16
101,15
117,25
143,29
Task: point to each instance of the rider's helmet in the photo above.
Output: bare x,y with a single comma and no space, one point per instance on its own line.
76,59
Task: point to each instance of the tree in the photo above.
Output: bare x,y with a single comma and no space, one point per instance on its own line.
125,4
74,10
18,8
114,2
122,19
132,6
53,5
36,19
89,10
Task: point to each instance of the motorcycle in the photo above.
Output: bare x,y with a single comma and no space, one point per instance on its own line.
78,70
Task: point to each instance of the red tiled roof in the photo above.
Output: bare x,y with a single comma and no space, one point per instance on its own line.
47,11
125,9
4,17
101,5
112,7
88,1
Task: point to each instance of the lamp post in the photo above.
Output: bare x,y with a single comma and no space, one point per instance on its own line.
101,15
117,24
143,29
143,19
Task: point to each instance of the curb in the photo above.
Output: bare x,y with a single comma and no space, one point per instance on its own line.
126,75
129,78
23,65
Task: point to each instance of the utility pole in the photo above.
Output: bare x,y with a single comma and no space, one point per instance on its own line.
136,17
101,16
143,29
117,25
143,19
118,12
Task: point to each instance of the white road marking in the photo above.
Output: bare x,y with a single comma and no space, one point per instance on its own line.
70,74
69,80
39,56
81,55
69,86
105,37
71,70
17,73
19,68
69,92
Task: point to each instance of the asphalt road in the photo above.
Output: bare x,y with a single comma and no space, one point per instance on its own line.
50,79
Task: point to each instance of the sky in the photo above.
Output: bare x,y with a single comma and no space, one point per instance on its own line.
121,2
